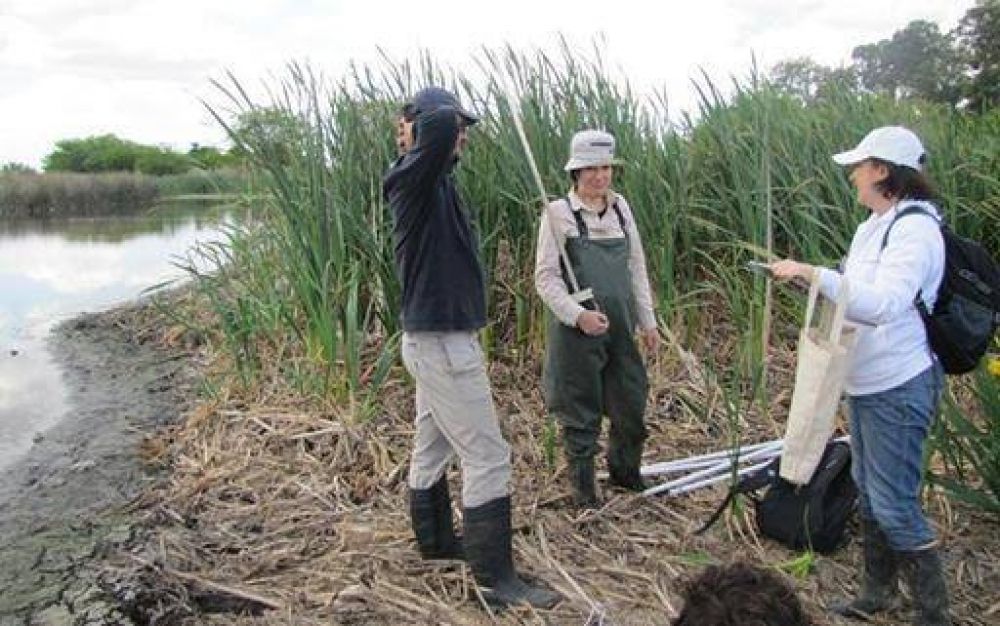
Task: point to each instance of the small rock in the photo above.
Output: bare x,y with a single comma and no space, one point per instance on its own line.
119,535
53,480
55,615
82,466
14,352
353,598
38,438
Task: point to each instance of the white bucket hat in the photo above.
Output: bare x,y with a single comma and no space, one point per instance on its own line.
591,148
894,144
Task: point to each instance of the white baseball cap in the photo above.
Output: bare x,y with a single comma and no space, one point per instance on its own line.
894,144
591,148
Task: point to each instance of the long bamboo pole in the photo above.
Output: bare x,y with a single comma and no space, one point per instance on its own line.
579,295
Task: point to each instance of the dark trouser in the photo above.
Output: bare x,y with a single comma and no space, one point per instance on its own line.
588,377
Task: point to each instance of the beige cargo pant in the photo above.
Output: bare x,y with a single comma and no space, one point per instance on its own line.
455,416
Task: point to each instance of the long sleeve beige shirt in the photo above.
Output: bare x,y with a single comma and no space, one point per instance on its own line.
549,281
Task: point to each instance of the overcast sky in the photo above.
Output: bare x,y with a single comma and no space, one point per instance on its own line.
137,68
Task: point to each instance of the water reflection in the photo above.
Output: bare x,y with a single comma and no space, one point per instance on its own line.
165,220
52,270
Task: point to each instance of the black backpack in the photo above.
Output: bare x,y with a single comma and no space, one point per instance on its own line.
966,313
813,515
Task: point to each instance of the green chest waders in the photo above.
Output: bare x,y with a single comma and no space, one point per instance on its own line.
586,377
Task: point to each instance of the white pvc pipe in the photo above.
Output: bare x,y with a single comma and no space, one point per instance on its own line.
729,451
687,467
718,473
715,455
687,464
698,479
718,479
680,466
722,466
702,460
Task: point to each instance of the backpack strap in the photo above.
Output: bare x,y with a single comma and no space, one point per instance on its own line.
718,511
836,455
911,209
746,486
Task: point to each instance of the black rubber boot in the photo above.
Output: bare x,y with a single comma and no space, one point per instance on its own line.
430,515
623,467
879,586
922,570
488,551
581,480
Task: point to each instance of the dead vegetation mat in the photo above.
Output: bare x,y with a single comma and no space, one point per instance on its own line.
279,511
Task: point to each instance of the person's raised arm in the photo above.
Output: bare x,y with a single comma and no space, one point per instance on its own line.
432,152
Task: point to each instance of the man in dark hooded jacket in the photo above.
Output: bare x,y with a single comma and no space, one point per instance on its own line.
443,307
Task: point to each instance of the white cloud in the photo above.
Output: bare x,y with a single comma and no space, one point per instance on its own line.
137,67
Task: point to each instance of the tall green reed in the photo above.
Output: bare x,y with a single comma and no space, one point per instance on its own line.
746,175
968,443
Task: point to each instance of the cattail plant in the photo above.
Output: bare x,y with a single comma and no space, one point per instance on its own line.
747,175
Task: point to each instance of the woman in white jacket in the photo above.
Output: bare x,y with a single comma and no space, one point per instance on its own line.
894,383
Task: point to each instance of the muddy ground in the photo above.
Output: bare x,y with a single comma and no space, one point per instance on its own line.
307,513
66,502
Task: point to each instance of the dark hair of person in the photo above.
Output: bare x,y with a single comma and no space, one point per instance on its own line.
904,182
409,113
740,594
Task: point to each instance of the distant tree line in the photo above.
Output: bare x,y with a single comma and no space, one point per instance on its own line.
960,68
108,153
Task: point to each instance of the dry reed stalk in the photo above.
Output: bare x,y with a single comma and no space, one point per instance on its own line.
305,507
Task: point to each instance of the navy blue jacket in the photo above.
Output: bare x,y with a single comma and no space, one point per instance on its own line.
437,256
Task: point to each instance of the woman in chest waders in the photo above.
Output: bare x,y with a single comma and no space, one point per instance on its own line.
592,364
